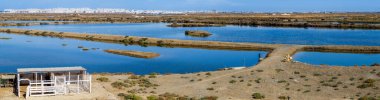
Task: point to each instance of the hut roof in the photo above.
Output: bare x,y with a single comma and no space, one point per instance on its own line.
51,69
7,76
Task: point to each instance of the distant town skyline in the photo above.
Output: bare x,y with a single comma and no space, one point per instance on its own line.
219,5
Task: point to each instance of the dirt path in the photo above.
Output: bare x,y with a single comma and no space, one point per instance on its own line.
272,60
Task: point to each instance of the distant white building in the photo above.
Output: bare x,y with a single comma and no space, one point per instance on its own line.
99,10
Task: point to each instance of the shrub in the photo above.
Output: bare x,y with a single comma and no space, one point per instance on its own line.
152,97
168,96
44,33
85,49
132,97
121,94
367,98
318,90
317,74
152,75
37,33
145,83
281,81
118,85
27,32
133,77
296,72
258,80
257,96
126,41
209,98
345,86
279,70
103,79
232,81
8,30
160,43
282,97
143,41
2,81
210,88
352,79
208,74
367,83
249,84
375,64
260,70
370,81
213,83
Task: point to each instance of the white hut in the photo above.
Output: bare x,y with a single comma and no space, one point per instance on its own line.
52,81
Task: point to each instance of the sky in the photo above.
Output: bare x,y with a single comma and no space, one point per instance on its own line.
219,5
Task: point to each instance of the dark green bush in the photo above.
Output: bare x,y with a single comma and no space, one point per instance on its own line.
367,83
282,97
8,31
133,77
103,79
210,89
279,70
152,75
232,81
368,98
160,43
209,98
152,97
132,97
168,96
257,96
118,85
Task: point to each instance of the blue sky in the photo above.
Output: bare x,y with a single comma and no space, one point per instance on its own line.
220,5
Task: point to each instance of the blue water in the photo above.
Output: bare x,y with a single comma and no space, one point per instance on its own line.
32,51
339,59
310,36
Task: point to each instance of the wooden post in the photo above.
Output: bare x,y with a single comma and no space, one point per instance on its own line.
42,86
90,82
18,85
69,77
35,76
55,82
78,85
65,85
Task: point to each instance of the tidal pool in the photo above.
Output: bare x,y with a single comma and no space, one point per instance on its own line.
338,59
31,51
230,33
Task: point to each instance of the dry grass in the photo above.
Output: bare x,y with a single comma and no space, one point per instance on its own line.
334,20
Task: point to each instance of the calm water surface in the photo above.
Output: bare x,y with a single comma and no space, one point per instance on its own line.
31,51
310,36
340,59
